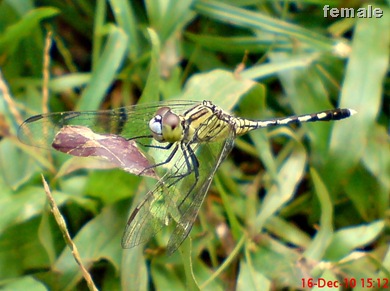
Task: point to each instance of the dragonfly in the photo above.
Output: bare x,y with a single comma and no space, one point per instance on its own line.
185,142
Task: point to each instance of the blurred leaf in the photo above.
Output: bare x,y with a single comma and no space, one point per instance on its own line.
250,279
151,90
134,270
21,250
17,167
102,77
368,197
376,156
20,207
278,65
16,32
233,222
94,244
67,82
126,19
346,240
253,106
221,87
167,16
288,232
21,7
362,91
46,236
384,272
327,277
25,283
166,278
283,190
26,204
277,263
306,93
315,251
202,272
186,256
111,186
74,164
252,44
361,265
254,20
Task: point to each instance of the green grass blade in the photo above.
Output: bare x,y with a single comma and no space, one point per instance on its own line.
105,72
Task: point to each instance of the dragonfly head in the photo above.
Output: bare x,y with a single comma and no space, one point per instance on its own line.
166,126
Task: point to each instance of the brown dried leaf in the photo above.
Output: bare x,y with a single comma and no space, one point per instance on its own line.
81,141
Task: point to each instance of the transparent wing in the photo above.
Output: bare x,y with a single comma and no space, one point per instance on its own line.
210,156
178,196
129,122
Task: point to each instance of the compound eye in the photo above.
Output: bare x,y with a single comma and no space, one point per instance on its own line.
170,121
162,111
172,130
166,126
155,125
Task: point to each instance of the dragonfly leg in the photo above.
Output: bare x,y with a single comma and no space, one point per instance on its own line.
167,147
166,161
140,136
195,164
190,168
192,164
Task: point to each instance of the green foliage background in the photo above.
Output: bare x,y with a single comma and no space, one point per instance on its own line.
287,204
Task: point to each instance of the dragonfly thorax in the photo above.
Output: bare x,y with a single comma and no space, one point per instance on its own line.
166,126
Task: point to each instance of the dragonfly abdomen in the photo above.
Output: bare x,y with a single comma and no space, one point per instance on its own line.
243,125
